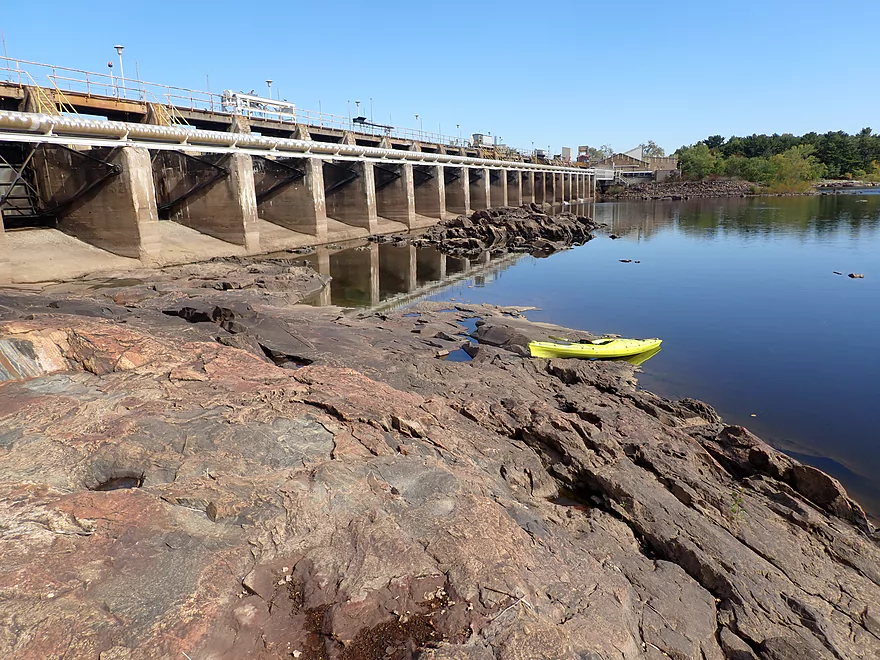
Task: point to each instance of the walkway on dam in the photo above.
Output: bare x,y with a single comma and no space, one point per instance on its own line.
44,88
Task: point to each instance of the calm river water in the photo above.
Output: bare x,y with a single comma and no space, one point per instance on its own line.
743,293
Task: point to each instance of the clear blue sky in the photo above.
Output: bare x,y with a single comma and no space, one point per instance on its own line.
556,73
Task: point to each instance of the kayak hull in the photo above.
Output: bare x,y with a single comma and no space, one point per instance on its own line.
607,348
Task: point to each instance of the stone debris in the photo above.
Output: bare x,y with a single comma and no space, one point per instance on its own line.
505,229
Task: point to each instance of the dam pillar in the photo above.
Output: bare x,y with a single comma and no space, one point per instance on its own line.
514,188
456,181
213,194
395,194
567,181
550,188
350,193
103,196
428,191
540,187
479,188
497,188
528,187
290,193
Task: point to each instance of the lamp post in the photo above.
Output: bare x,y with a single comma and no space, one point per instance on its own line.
458,126
266,106
121,69
420,133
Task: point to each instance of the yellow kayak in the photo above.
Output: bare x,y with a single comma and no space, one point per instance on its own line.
598,348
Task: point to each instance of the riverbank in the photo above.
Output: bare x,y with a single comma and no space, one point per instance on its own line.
195,464
681,190
675,190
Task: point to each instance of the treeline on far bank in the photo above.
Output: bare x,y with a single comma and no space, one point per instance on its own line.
785,162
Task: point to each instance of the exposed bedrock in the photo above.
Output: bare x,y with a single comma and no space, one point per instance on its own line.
163,492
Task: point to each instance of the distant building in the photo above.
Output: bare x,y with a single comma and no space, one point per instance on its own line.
634,160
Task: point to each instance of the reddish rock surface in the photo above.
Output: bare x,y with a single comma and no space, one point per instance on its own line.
164,494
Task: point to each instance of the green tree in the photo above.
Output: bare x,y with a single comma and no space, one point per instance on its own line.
714,141
751,157
651,149
603,152
796,164
698,162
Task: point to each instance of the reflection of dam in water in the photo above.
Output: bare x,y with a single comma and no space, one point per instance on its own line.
389,276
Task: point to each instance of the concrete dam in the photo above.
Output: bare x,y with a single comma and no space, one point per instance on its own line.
80,194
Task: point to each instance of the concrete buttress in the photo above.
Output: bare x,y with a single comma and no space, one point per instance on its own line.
117,211
550,193
290,193
429,191
457,183
350,193
540,189
497,188
479,188
528,187
395,193
215,196
514,188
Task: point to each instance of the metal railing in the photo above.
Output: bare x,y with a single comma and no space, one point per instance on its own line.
106,85
134,90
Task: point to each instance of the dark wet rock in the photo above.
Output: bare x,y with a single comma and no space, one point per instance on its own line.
509,229
163,493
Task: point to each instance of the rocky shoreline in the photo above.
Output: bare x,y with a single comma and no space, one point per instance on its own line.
501,230
681,190
196,466
677,190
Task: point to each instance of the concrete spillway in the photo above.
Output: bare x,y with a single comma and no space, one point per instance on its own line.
111,184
